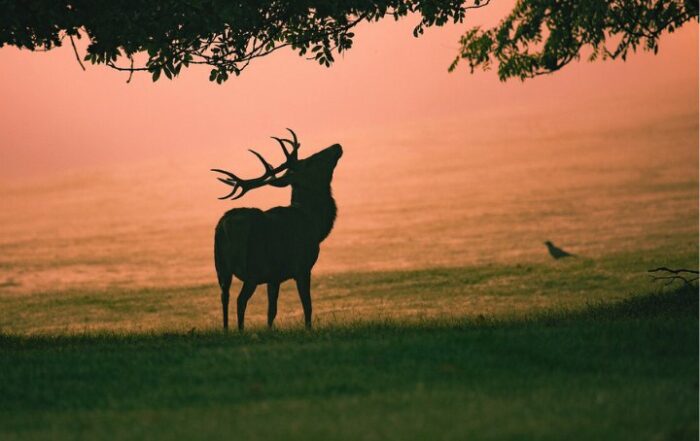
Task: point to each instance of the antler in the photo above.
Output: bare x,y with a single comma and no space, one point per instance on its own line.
270,174
295,145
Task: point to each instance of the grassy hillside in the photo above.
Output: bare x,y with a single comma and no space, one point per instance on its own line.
621,371
578,349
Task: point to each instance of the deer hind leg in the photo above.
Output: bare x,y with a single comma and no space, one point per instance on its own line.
304,288
225,287
246,293
273,291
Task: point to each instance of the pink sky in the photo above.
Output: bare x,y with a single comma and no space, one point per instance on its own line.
56,117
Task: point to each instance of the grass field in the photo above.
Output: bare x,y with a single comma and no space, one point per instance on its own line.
579,349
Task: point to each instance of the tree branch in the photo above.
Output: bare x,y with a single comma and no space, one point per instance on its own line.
75,51
542,36
672,275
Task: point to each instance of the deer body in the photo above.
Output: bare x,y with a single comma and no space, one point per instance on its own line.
283,243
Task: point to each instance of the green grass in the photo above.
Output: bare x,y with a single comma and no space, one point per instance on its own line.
491,291
575,349
619,370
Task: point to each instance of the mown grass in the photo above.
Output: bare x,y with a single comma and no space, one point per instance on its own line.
574,349
491,291
616,370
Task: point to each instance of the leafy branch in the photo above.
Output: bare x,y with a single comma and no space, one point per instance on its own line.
538,36
227,36
542,36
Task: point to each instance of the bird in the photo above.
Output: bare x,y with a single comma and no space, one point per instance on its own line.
556,252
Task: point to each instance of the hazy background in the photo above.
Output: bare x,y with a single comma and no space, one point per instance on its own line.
104,183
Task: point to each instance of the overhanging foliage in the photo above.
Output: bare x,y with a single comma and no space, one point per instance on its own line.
226,35
542,36
162,37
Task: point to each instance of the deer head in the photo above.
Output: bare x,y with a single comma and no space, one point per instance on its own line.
315,171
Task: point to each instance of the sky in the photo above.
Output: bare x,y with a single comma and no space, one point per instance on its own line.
57,118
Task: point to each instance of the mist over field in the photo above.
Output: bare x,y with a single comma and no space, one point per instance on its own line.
447,193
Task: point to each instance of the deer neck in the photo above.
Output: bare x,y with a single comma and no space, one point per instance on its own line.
319,206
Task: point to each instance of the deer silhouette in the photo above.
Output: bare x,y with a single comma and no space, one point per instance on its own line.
281,243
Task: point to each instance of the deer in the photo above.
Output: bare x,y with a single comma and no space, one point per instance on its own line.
282,243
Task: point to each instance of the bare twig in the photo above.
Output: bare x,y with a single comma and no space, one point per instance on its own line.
75,51
478,6
131,70
673,271
671,275
125,69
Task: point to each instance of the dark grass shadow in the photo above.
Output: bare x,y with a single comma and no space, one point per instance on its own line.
678,302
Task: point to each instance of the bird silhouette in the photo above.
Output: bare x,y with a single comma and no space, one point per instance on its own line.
557,252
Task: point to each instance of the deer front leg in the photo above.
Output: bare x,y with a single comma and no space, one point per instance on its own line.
246,293
273,291
225,286
304,288
224,307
